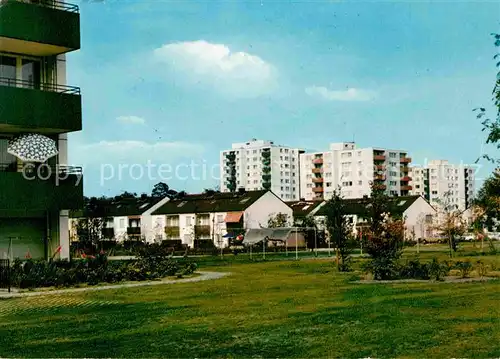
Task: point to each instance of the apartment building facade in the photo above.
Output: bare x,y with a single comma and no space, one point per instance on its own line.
353,170
217,217
261,165
35,197
444,185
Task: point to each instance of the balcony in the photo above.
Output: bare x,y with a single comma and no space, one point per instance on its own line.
379,167
318,189
202,230
378,157
318,180
133,231
405,160
406,179
406,188
381,187
318,161
27,194
172,232
39,27
378,177
317,170
108,233
50,109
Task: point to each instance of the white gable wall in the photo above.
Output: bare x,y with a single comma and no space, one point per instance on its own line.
259,212
415,218
151,228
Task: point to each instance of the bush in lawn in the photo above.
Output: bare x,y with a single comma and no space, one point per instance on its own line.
439,270
482,268
383,239
95,270
413,269
465,268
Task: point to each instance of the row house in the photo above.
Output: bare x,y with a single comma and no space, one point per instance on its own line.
216,217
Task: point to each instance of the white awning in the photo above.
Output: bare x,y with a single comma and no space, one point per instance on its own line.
256,235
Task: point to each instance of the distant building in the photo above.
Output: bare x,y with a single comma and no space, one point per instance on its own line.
444,185
261,165
353,170
124,219
418,214
217,216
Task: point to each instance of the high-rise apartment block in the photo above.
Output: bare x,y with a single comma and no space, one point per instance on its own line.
260,164
353,170
444,185
36,103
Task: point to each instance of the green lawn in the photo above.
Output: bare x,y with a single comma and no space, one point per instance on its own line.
266,309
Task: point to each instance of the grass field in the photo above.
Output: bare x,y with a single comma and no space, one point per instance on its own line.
265,309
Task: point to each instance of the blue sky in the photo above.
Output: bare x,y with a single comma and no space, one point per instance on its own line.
175,82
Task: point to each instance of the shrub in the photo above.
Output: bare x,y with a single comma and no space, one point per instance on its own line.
464,267
415,270
94,270
438,270
482,268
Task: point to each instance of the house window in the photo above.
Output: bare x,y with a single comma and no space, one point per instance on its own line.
122,222
188,221
220,218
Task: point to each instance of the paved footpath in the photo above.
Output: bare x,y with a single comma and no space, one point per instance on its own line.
202,277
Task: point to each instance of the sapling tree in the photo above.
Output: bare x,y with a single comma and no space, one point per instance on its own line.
384,236
340,230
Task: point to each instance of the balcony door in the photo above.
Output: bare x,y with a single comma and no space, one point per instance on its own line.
20,72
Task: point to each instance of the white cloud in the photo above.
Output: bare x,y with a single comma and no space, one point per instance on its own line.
131,119
131,152
238,73
351,94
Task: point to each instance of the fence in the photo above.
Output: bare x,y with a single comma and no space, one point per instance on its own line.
5,274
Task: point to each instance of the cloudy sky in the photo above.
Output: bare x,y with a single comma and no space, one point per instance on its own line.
168,84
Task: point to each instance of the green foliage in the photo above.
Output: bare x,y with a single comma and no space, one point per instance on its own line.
383,240
414,269
482,268
491,247
465,268
94,270
488,199
340,230
492,125
278,220
439,270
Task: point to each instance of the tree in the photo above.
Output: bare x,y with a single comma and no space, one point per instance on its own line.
488,200
89,227
452,227
340,230
492,125
278,220
384,236
160,190
315,237
451,224
125,195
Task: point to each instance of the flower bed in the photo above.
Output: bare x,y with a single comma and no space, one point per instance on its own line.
94,270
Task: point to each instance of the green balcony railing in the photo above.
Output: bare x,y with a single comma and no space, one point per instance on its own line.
41,28
40,107
35,191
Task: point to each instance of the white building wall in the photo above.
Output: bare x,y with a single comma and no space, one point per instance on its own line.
351,169
258,214
415,218
285,179
120,225
446,184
